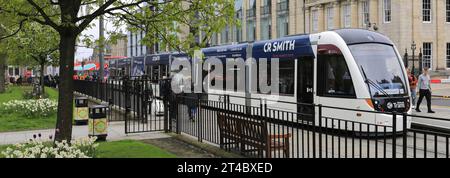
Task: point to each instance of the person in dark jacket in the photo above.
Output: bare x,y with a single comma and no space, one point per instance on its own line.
191,100
19,80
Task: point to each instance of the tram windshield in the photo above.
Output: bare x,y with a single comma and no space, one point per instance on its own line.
379,64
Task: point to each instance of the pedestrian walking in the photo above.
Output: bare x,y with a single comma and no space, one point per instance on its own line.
191,100
412,86
424,90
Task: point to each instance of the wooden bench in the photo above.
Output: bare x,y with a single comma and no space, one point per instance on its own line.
241,131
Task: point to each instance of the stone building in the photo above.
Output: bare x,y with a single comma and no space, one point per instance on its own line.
120,48
425,22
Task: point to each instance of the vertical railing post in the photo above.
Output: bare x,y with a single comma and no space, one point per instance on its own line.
405,133
199,114
314,131
320,130
394,134
261,106
178,129
265,108
127,101
166,115
268,154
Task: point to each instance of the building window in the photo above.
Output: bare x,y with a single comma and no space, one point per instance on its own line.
347,16
283,25
11,71
330,18
334,77
214,39
142,46
266,20
448,55
251,25
283,5
265,28
157,47
447,7
365,13
238,30
315,20
251,30
224,36
387,11
427,55
131,44
426,10
137,44
283,18
266,7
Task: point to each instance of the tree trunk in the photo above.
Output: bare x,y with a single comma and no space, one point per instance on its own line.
42,78
65,100
2,72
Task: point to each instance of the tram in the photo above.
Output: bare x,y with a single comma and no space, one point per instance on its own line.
356,69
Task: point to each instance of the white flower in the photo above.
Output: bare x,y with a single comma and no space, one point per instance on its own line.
81,148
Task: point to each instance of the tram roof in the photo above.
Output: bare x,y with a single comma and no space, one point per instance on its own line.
358,36
157,59
285,47
122,62
227,51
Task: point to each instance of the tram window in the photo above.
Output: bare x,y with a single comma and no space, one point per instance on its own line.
286,75
220,78
334,78
287,71
163,71
236,70
155,73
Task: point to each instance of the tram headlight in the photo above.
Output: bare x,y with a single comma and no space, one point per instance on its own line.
389,105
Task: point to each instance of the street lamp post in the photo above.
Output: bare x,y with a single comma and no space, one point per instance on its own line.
413,48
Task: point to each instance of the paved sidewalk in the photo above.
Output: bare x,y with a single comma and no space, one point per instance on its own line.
440,89
116,131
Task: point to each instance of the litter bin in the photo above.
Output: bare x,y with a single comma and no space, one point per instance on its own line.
98,123
81,111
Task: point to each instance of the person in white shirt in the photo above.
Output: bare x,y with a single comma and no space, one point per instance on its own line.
424,87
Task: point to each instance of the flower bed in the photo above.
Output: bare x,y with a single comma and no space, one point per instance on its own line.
81,148
31,108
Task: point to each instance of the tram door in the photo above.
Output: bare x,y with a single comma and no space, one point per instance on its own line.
305,87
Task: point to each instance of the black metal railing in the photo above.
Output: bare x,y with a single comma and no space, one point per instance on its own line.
304,135
264,129
135,100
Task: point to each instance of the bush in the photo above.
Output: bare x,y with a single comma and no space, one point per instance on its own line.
81,148
31,108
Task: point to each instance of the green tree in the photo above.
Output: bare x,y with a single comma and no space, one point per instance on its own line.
2,71
167,17
34,45
8,28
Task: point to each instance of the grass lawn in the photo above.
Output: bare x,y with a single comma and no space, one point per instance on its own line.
15,93
125,149
17,122
131,149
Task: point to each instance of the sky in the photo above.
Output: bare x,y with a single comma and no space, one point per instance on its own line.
82,52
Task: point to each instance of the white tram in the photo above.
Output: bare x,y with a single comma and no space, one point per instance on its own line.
347,71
